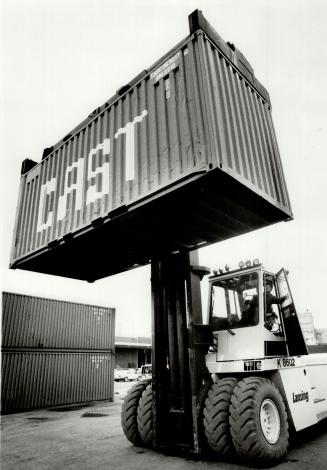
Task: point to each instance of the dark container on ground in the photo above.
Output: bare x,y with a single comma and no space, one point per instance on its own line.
33,379
34,322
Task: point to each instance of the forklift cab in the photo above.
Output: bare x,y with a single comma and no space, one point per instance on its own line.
245,324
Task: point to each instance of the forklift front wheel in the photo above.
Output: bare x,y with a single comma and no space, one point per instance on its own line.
144,416
216,417
129,412
258,421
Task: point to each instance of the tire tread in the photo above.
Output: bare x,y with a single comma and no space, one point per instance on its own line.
144,416
216,417
244,426
129,412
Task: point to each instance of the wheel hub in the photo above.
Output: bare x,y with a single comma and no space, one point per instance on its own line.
270,421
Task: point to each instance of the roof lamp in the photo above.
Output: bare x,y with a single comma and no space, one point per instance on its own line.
241,264
248,263
256,262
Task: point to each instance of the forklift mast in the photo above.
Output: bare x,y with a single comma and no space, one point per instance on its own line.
179,342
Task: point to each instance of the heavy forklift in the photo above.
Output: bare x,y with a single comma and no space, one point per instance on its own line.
236,386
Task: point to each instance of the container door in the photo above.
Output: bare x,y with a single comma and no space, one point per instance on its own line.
293,332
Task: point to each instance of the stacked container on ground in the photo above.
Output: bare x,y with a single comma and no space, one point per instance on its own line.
55,352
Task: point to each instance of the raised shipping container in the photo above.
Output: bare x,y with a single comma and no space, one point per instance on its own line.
33,322
183,156
32,379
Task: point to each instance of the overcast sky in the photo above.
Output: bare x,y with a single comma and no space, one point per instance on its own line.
63,58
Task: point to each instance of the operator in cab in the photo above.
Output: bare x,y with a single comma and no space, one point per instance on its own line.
270,300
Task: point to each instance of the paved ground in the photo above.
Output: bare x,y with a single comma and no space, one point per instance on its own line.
73,439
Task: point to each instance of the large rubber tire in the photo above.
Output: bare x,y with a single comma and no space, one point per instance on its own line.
203,393
144,416
216,417
129,412
259,438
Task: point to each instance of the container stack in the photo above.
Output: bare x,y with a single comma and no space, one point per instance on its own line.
54,352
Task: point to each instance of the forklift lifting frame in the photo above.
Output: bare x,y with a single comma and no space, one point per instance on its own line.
179,343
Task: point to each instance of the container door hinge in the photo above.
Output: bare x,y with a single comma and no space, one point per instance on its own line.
119,211
53,244
97,222
67,237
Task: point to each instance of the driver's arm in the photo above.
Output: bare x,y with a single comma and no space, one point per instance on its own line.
278,300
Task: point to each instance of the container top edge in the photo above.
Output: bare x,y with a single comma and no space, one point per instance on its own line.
113,309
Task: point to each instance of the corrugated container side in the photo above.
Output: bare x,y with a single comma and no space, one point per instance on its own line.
194,114
36,379
105,165
34,322
241,136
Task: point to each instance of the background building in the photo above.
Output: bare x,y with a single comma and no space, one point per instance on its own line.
321,335
132,352
307,326
313,336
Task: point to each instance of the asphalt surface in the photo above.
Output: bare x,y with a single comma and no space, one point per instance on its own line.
91,438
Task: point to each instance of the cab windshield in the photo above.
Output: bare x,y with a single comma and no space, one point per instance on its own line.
234,302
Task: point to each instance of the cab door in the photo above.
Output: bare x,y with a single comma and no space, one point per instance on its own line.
293,332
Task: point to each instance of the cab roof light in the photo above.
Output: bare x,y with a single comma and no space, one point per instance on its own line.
248,263
256,262
227,268
241,264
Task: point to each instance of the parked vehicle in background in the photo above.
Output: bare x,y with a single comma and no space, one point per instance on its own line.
145,372
126,374
133,374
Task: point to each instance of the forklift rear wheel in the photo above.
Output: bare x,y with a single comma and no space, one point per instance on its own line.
258,421
144,416
129,412
216,417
